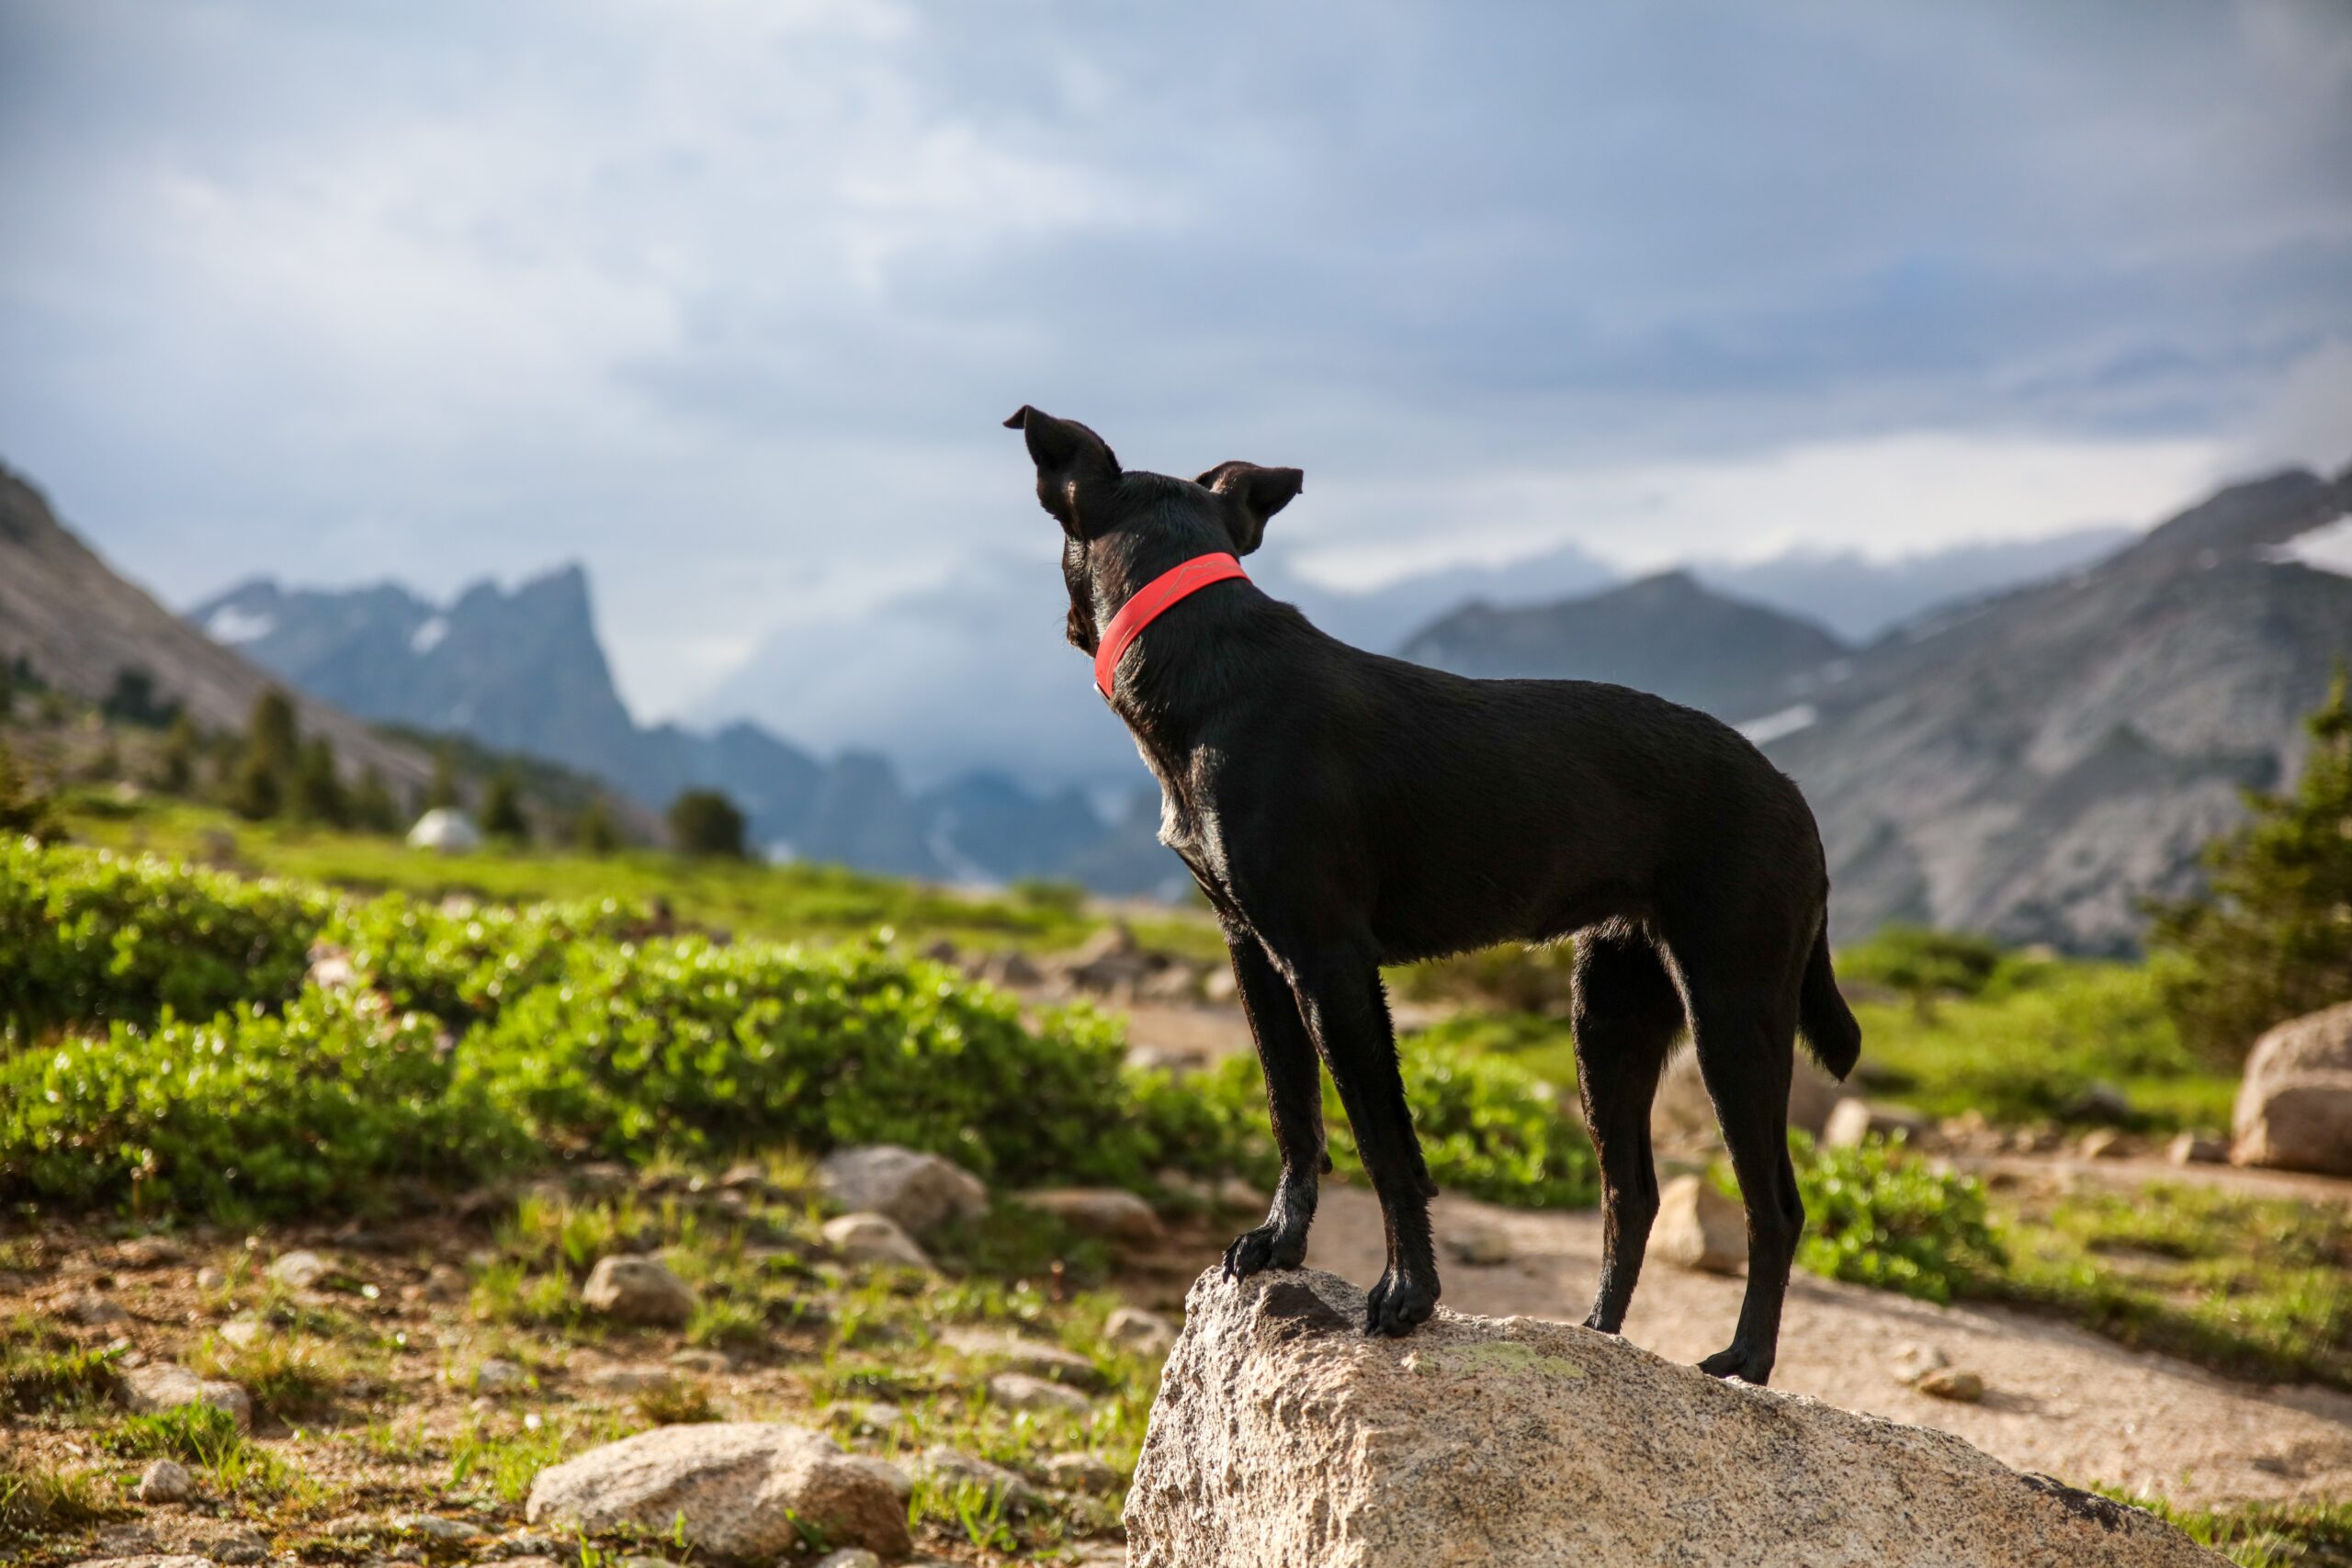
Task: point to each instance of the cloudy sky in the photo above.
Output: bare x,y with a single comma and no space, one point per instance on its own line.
727,300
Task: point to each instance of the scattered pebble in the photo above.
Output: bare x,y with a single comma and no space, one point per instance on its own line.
708,1363
166,1482
2104,1142
92,1310
498,1375
849,1557
242,1330
1955,1383
434,1527
1081,1473
1477,1243
1146,1333
300,1270
640,1290
948,1466
2189,1149
873,1238
211,1279
1019,1391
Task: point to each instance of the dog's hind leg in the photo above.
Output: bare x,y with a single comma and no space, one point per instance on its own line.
1744,1021
1294,1097
1627,1014
1341,998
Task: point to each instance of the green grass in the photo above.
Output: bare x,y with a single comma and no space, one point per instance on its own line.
744,897
2261,1535
41,1368
2253,1287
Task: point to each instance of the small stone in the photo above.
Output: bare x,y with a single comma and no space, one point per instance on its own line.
163,1386
630,1380
1144,1333
1955,1383
1020,1391
917,1191
1913,1363
849,1557
874,1239
1081,1473
1852,1122
434,1527
707,1362
166,1482
2099,1101
147,1252
2189,1149
745,1176
211,1279
1476,1243
1698,1228
1011,1352
639,1291
242,1330
2105,1143
498,1375
1110,1213
149,1560
92,1310
874,1415
300,1270
948,1468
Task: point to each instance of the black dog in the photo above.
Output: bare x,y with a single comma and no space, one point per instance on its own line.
1341,811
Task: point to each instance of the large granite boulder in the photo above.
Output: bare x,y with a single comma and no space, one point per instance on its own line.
2294,1109
737,1490
1282,1436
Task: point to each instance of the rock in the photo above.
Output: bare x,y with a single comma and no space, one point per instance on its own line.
147,1252
2099,1101
433,1527
948,1468
872,1416
707,1362
1956,1383
1477,1241
1698,1228
151,1559
1853,1121
301,1271
1031,1356
243,1330
2189,1149
1020,1390
1081,1473
1682,1110
1282,1436
736,1489
1235,1193
1913,1363
1108,1212
2294,1108
211,1279
498,1375
874,1239
1144,1333
852,1557
92,1310
2105,1143
1011,968
1109,963
630,1380
920,1191
640,1290
164,1482
163,1386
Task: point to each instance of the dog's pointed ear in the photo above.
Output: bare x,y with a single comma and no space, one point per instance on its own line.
1074,467
1251,494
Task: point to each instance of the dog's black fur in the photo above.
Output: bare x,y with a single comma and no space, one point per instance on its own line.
1342,810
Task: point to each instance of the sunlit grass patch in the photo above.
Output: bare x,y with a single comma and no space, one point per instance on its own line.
43,1370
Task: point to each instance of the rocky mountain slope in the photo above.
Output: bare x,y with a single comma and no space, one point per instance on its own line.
524,670
79,623
2034,764
1665,634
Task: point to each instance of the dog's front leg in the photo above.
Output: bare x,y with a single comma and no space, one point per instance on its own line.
1294,1097
1345,1009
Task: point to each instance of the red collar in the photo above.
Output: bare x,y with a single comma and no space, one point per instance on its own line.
1156,597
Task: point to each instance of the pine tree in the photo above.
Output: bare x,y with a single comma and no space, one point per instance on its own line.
593,831
502,811
25,807
318,795
705,822
266,771
373,807
2272,937
175,763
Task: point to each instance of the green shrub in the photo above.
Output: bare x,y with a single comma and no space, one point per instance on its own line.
1923,964
1879,1217
1514,977
1488,1127
462,965
88,936
687,1045
314,1107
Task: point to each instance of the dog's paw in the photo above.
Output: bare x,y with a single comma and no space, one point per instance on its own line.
1737,1361
1254,1252
1600,1324
1399,1304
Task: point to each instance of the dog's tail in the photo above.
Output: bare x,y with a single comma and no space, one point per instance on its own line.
1823,1017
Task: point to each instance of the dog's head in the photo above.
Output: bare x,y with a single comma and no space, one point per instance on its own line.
1122,529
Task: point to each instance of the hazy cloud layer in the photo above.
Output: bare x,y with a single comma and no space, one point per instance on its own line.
725,299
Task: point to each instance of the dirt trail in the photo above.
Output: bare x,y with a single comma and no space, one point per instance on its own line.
2060,1401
